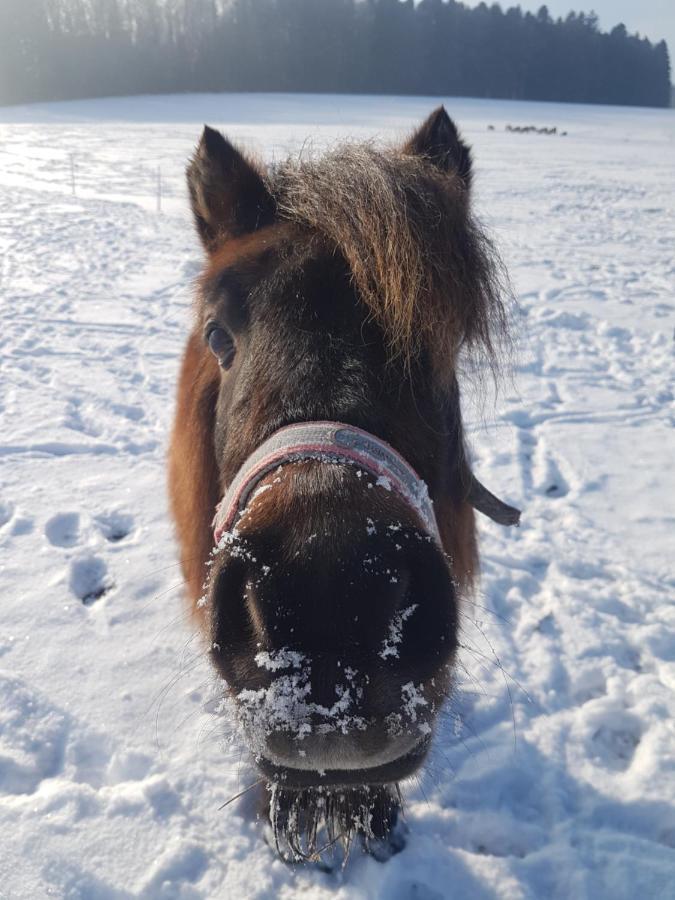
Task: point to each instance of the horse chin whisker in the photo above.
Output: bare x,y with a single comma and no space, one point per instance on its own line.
299,818
241,793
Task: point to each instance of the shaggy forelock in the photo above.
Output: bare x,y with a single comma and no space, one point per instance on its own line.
421,263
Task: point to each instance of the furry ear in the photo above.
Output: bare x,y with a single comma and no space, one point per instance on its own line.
438,140
227,193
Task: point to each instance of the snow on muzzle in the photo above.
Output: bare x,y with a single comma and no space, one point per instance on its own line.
333,607
361,732
337,664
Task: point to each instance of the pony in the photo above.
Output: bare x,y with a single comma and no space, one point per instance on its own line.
318,415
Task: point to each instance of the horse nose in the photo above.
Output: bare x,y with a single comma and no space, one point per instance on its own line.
328,612
316,714
336,658
337,752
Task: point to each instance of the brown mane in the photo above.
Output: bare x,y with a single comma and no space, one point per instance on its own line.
422,264
193,471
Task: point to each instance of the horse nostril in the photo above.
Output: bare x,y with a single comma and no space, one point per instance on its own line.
230,621
252,609
400,580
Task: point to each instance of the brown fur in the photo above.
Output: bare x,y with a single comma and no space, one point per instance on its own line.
195,489
422,264
193,472
457,525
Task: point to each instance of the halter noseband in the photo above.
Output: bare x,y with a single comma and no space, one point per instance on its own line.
330,442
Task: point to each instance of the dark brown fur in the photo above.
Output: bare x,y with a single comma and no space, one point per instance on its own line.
423,266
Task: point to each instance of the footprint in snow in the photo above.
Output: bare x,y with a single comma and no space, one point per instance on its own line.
128,411
19,525
183,862
32,743
89,579
615,742
12,523
547,474
115,526
63,529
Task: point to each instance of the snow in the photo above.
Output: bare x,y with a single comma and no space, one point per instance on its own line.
552,769
283,706
395,636
280,659
383,482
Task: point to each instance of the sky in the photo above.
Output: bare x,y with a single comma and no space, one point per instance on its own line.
654,19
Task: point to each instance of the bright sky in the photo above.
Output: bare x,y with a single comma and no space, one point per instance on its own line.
654,19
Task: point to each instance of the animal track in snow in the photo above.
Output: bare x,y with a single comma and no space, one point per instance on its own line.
32,738
548,479
13,523
615,744
128,765
115,526
527,443
541,472
63,529
128,411
182,863
78,418
89,579
587,685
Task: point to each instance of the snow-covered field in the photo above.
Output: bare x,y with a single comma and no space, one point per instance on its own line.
554,773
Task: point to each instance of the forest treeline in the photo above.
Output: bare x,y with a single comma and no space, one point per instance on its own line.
60,49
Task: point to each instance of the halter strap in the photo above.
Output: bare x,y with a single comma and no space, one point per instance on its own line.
329,442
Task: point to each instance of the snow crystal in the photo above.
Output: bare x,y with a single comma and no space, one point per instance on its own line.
260,489
391,642
412,698
285,704
280,659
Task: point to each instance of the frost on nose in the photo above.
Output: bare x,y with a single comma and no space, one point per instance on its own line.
286,705
342,726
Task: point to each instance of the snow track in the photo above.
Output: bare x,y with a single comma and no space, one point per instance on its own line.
552,775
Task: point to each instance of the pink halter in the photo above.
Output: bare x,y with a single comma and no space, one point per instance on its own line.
329,442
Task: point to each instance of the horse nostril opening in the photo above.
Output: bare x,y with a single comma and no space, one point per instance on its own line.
401,581
230,619
252,610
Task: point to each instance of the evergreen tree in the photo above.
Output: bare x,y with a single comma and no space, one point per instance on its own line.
54,49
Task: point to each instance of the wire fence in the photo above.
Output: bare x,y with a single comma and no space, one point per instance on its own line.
82,175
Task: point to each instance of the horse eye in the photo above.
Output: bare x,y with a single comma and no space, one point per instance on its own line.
221,345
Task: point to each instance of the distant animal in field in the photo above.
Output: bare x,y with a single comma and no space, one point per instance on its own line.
319,478
532,129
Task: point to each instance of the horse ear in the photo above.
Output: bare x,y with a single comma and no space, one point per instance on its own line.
438,140
227,193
